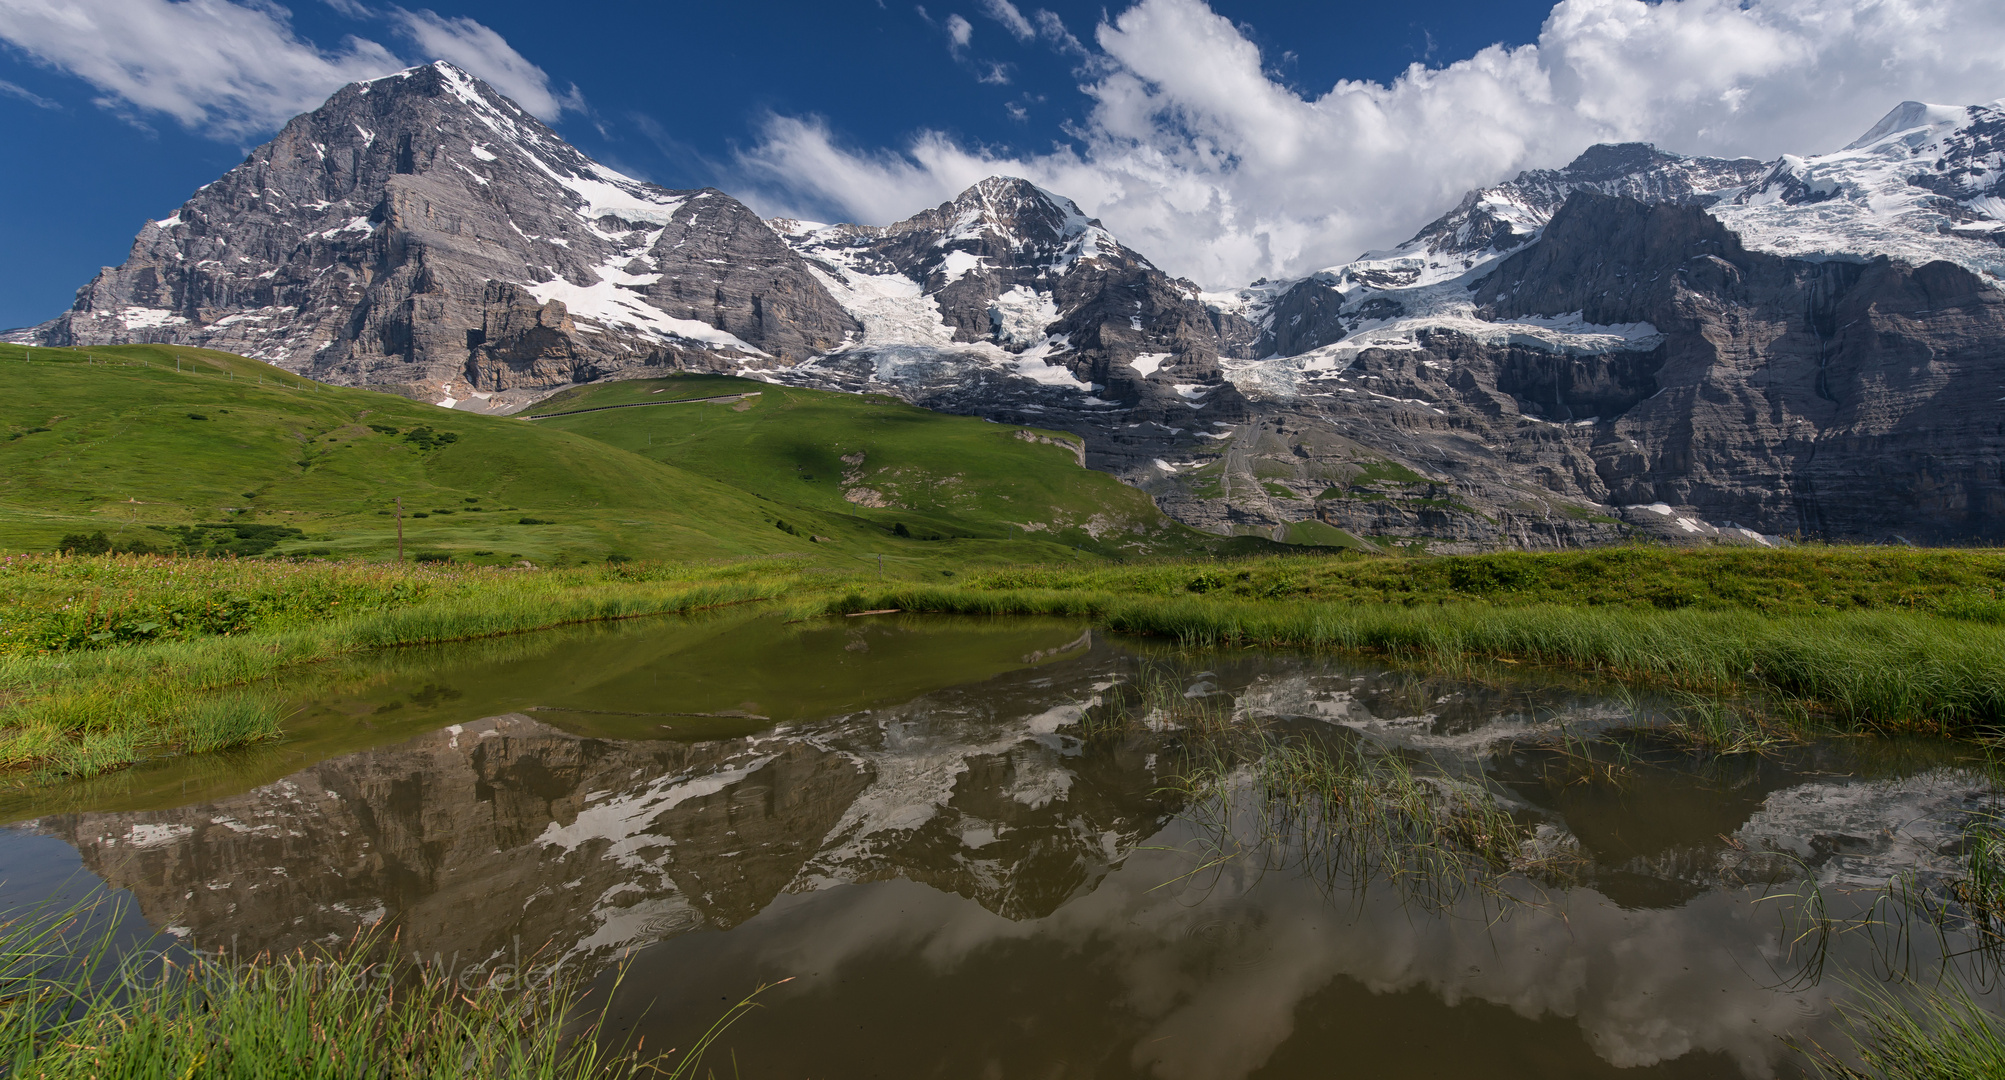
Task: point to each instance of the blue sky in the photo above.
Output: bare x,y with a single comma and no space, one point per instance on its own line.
1223,139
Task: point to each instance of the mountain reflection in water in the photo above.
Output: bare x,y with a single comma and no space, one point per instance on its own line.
918,823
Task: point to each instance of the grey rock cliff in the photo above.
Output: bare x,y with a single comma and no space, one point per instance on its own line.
1830,398
421,232
1773,396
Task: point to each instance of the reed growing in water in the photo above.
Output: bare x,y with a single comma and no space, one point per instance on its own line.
1341,806
1917,1032
75,1006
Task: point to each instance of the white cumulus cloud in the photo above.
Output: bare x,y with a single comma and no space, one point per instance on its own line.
237,70
1192,154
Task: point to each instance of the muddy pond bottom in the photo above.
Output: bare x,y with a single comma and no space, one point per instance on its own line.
1023,848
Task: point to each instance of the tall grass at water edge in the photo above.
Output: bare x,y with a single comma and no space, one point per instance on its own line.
1891,670
1913,1032
1804,580
81,711
75,1007
91,695
55,603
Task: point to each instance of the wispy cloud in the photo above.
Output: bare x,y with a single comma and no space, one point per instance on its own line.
239,70
1192,152
1011,19
480,50
216,66
27,95
1053,30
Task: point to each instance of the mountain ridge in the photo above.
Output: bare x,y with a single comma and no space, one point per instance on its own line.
422,233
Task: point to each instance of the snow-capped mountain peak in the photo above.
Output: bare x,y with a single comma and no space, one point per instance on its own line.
1926,183
1009,291
1016,212
1906,118
988,262
1490,224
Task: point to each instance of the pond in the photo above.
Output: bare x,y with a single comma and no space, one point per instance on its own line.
1028,848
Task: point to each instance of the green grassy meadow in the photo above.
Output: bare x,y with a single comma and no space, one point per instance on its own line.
165,448
639,497
137,449
878,462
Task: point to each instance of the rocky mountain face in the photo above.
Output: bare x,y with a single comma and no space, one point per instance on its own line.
1011,302
1775,395
423,233
1488,224
1692,348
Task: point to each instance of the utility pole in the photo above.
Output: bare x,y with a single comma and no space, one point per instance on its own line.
400,528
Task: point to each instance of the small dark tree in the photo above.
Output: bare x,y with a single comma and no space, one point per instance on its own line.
85,544
900,530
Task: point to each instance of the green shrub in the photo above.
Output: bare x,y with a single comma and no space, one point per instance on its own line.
85,544
424,438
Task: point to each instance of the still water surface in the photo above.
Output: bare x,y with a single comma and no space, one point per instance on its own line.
926,824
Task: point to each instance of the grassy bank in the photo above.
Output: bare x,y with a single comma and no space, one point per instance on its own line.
79,705
1886,669
107,659
73,1005
1811,579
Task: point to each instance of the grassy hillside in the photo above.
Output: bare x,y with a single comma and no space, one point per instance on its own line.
168,448
956,481
142,442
